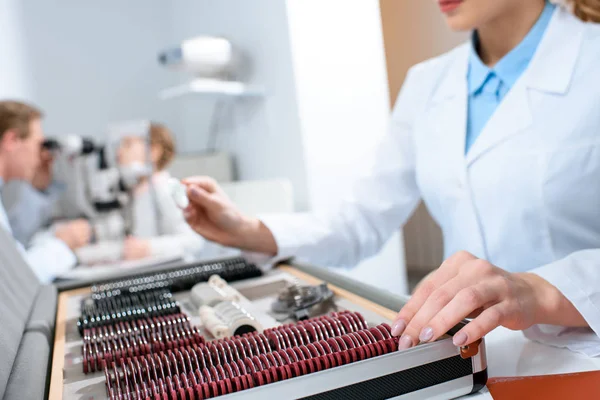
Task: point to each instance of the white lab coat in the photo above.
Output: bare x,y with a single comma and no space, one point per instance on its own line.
525,197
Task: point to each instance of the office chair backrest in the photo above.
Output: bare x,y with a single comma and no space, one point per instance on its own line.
18,291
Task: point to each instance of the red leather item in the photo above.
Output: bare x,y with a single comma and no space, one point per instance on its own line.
580,385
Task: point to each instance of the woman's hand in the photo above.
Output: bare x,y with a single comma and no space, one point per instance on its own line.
467,287
212,215
135,248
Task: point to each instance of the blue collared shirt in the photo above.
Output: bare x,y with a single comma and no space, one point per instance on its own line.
48,257
488,86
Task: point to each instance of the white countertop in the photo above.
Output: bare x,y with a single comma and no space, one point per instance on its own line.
510,353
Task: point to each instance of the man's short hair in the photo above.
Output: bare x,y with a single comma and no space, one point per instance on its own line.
16,115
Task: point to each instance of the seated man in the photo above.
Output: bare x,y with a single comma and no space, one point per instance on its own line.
20,144
29,205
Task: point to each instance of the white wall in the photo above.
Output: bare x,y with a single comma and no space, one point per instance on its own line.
93,62
343,100
14,73
263,135
321,64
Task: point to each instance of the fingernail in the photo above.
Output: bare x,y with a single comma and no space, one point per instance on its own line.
426,334
405,342
460,339
398,327
195,192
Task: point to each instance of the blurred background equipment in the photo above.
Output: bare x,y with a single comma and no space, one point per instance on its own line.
202,56
96,187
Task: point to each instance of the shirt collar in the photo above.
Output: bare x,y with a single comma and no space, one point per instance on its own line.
513,64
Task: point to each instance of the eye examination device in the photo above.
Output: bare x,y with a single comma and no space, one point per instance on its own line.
96,187
225,329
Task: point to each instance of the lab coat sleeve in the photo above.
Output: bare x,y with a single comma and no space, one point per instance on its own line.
383,199
49,258
578,279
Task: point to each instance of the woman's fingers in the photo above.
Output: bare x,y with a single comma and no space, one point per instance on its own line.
454,300
205,182
465,302
443,274
488,320
203,199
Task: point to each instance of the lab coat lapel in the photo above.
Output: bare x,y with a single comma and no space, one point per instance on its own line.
512,116
449,109
550,71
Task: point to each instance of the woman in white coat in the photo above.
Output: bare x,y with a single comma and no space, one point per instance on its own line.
500,138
